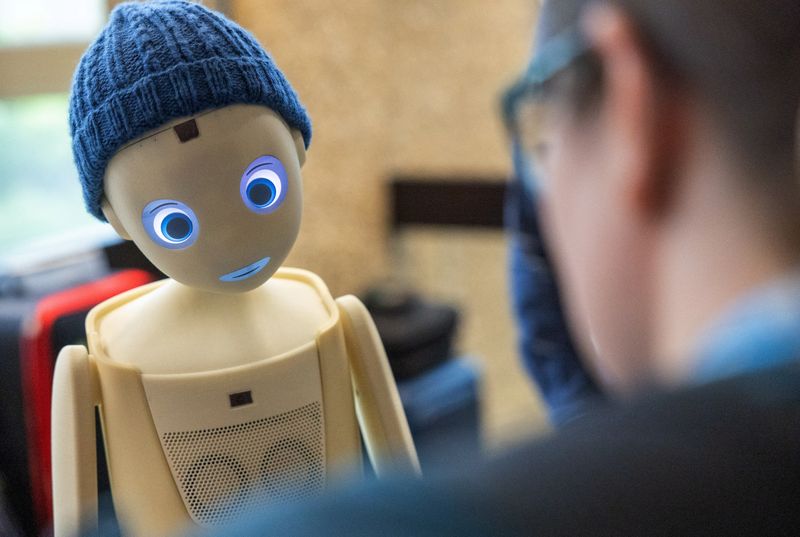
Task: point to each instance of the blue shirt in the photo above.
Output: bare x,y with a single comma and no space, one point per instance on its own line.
760,330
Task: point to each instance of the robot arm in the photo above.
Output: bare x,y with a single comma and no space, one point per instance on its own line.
380,412
73,444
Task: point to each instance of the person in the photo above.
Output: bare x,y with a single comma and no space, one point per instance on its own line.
710,215
659,140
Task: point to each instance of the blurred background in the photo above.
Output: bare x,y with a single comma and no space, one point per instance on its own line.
404,179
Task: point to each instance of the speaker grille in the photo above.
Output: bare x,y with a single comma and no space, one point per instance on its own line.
226,471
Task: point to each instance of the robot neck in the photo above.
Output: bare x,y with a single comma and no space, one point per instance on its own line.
194,299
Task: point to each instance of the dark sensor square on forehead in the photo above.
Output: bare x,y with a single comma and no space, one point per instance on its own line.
187,130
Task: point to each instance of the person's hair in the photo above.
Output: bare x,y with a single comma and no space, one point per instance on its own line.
742,58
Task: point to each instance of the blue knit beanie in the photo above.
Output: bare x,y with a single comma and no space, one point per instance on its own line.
158,61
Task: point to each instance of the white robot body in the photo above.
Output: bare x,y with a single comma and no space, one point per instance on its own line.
235,384
205,447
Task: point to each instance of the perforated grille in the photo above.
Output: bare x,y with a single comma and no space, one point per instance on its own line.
225,471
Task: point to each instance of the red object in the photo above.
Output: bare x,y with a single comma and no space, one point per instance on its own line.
38,360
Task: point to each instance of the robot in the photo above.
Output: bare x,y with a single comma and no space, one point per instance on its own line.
234,384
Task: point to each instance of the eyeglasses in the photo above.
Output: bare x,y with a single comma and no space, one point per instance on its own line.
523,106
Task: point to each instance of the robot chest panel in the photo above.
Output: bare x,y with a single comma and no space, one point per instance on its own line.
186,349
242,437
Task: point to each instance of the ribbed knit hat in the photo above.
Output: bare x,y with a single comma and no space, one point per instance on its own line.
158,61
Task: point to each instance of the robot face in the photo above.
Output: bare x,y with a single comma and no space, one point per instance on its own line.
173,224
219,211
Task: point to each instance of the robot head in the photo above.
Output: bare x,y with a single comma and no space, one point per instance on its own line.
189,140
214,201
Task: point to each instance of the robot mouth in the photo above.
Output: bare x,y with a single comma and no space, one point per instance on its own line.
245,272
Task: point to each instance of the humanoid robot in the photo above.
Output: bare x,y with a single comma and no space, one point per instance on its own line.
234,384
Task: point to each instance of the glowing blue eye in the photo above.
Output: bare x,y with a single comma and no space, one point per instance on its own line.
170,224
263,186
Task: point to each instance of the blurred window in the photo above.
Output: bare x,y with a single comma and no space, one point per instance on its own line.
39,190
32,22
40,197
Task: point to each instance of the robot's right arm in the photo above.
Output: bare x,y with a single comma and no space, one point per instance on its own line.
73,443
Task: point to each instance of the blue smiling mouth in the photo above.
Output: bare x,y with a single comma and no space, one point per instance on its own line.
245,272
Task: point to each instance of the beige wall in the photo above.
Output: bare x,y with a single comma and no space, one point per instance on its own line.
407,87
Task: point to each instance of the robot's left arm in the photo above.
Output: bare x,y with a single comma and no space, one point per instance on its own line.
380,411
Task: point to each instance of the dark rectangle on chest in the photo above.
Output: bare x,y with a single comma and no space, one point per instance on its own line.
241,398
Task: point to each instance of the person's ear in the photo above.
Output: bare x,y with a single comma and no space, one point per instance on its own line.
641,124
111,216
300,146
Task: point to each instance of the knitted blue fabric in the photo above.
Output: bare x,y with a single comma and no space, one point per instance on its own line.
158,61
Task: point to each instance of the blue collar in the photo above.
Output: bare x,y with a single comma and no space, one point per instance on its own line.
760,330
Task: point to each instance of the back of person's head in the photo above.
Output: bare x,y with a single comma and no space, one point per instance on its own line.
740,58
665,146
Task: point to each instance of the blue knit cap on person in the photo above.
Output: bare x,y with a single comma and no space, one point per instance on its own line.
158,61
